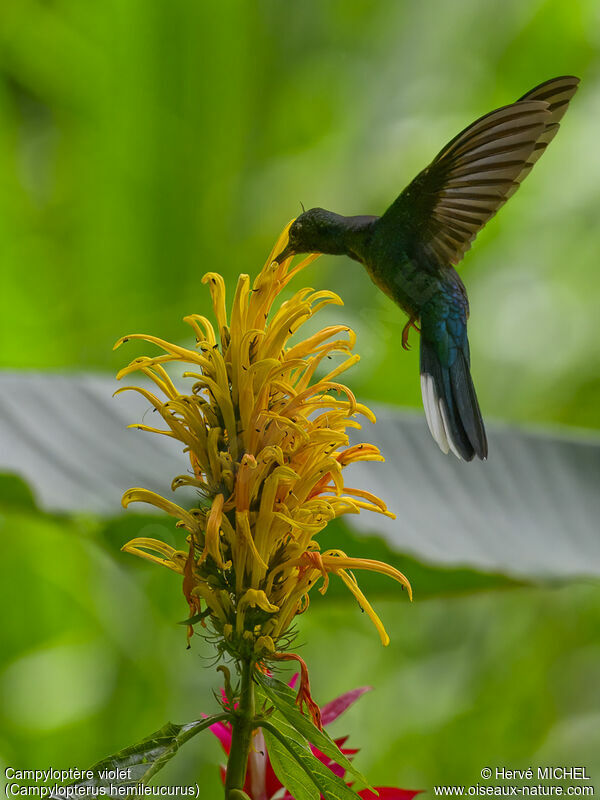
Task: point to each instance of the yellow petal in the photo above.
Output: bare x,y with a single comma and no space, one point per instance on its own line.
172,559
146,496
256,597
366,606
334,562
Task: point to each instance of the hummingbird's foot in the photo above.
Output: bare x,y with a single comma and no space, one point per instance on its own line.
406,330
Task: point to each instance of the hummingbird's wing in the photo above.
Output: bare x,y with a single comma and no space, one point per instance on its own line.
450,201
557,92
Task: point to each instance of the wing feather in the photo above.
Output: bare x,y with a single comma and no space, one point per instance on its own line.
450,201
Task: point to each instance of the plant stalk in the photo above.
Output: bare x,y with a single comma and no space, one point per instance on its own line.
241,739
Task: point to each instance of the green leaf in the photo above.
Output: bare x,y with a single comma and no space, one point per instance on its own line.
289,771
327,782
16,493
195,618
139,762
284,700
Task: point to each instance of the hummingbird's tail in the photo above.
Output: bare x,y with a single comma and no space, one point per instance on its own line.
449,399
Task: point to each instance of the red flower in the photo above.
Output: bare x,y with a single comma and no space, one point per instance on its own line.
263,784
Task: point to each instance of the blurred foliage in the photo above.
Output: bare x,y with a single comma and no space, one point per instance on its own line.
92,660
143,143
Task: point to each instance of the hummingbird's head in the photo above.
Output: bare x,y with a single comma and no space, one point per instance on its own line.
315,231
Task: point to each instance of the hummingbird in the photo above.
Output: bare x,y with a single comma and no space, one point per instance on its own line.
411,250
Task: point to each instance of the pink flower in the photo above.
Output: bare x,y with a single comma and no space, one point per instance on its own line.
263,784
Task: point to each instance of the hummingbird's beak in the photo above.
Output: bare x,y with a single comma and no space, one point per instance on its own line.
285,253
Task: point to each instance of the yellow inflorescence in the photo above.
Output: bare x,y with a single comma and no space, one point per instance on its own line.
267,445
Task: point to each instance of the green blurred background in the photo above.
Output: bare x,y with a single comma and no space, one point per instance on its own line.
143,143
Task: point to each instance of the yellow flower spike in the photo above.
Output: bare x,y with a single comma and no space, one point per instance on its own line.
267,444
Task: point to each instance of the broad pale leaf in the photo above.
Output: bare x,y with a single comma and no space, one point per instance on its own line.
529,512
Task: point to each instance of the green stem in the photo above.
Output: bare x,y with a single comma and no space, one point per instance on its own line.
243,726
193,729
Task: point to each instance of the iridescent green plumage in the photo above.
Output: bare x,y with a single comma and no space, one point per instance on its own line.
410,251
